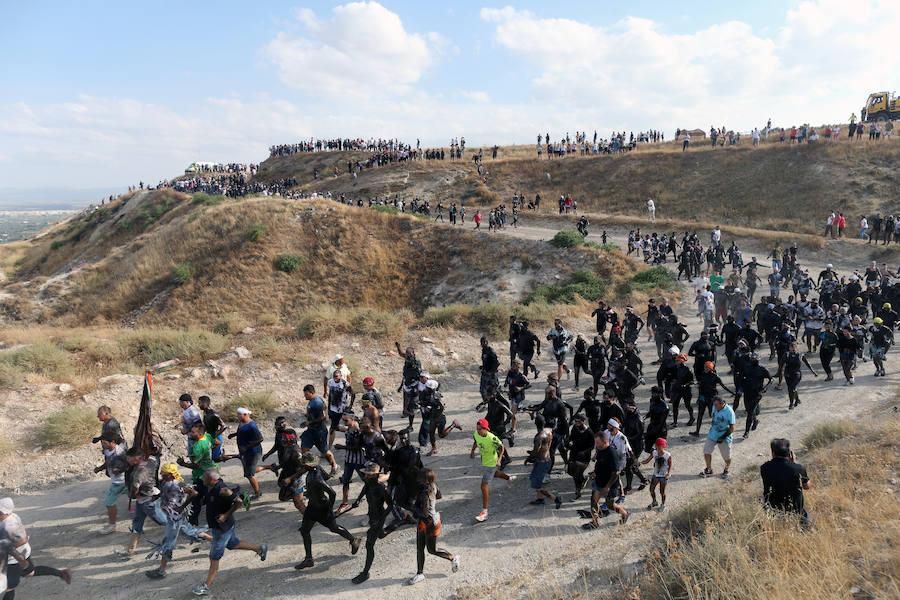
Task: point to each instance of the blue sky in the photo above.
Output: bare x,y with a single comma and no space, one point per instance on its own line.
102,94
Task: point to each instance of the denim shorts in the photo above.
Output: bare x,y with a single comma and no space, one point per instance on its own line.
538,472
315,438
222,540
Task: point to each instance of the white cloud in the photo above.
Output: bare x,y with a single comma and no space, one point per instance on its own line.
362,50
634,74
475,96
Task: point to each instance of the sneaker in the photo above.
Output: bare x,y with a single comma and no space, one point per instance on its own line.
200,590
155,573
509,481
694,433
852,381
624,519
454,564
66,575
344,506
123,555
417,578
755,425
706,473
662,507
724,474
642,486
746,434
431,452
458,426
537,373
333,470
652,505
307,563
255,497
537,502
263,552
546,478
482,516
590,525
354,545
557,501
108,528
364,576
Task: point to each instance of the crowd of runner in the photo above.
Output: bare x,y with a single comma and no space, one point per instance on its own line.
582,146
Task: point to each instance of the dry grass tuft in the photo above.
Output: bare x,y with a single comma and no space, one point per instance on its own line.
728,546
326,320
71,426
260,404
43,358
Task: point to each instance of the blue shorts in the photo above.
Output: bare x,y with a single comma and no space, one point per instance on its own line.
315,438
538,472
222,540
112,494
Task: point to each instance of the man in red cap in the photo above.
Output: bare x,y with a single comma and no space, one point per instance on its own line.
491,449
662,469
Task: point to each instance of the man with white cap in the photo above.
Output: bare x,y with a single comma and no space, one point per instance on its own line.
249,441
337,364
15,553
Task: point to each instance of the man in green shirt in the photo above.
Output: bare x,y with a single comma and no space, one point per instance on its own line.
491,449
201,460
716,280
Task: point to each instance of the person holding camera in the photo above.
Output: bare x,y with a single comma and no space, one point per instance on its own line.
784,481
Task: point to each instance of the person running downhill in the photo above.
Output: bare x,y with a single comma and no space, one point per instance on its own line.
491,449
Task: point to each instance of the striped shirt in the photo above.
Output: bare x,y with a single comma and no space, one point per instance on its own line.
356,454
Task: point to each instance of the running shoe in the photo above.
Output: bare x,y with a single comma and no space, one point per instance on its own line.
431,452
537,502
509,481
652,505
662,507
694,433
108,528
706,473
642,486
454,564
624,519
263,552
66,575
344,506
482,516
360,578
417,578
155,573
558,502
456,424
307,563
200,589
354,545
590,525
724,474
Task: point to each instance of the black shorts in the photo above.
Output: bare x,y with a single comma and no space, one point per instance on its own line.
250,462
14,574
335,420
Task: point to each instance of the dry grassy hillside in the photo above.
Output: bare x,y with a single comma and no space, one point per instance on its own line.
776,186
170,259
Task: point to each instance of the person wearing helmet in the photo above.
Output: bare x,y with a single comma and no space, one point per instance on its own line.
319,509
662,470
707,383
888,315
880,340
792,371
681,389
828,343
380,505
753,376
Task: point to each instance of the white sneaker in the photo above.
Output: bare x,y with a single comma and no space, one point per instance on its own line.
415,579
455,564
108,528
547,478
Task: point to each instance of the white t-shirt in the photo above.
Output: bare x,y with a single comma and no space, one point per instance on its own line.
189,416
863,223
110,454
651,206
11,528
660,463
716,235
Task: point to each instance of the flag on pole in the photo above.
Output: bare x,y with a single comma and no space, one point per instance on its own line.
143,429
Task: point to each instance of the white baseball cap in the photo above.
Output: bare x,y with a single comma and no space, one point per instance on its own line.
244,411
431,384
6,506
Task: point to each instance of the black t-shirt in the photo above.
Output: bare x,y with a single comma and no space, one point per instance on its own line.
217,504
607,465
489,362
783,484
526,341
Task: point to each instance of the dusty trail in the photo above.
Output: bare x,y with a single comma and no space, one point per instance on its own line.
519,541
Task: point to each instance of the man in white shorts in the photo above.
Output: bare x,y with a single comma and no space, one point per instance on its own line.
719,435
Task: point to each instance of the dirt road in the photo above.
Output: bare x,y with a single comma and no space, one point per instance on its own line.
519,542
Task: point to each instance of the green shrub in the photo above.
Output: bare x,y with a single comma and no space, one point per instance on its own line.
288,263
393,210
825,434
259,403
257,232
71,426
451,315
151,346
182,273
567,238
610,247
653,278
42,358
56,245
230,324
586,284
207,199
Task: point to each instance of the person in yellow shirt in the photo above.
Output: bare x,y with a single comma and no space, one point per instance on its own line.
491,449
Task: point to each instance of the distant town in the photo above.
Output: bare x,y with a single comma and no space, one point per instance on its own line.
21,224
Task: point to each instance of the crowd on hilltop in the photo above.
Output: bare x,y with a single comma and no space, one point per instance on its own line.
233,185
617,142
339,145
197,167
